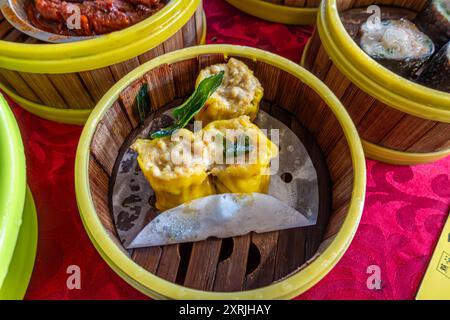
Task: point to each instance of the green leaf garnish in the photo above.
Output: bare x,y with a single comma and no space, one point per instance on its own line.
184,113
239,147
143,102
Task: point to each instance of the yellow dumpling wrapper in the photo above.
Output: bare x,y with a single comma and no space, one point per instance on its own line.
173,171
253,173
239,94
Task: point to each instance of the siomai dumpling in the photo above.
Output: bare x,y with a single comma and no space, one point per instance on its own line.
176,167
239,94
246,155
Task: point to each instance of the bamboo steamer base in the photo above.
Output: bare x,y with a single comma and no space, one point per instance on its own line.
245,262
295,12
62,115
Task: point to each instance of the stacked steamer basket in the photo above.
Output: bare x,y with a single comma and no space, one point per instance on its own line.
18,223
297,12
399,121
63,82
279,264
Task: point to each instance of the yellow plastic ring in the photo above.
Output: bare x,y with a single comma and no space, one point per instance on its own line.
276,13
374,79
102,51
159,288
379,153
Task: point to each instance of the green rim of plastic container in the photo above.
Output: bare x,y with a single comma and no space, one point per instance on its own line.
12,185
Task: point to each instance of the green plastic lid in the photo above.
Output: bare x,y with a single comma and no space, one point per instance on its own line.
12,185
16,282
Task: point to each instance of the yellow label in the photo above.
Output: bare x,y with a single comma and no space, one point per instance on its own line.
436,283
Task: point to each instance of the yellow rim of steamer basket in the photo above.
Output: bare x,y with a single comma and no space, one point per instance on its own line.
67,116
276,13
379,82
383,154
99,52
205,29
157,287
62,115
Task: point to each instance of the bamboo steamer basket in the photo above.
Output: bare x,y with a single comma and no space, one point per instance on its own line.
63,82
272,265
399,121
295,12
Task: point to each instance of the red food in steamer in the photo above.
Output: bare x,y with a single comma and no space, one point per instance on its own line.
97,16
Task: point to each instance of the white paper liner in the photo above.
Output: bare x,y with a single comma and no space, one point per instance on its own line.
221,216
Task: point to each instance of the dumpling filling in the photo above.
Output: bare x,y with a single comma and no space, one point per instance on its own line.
396,40
172,156
239,94
176,168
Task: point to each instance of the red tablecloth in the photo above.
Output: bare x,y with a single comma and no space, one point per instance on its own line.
405,206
